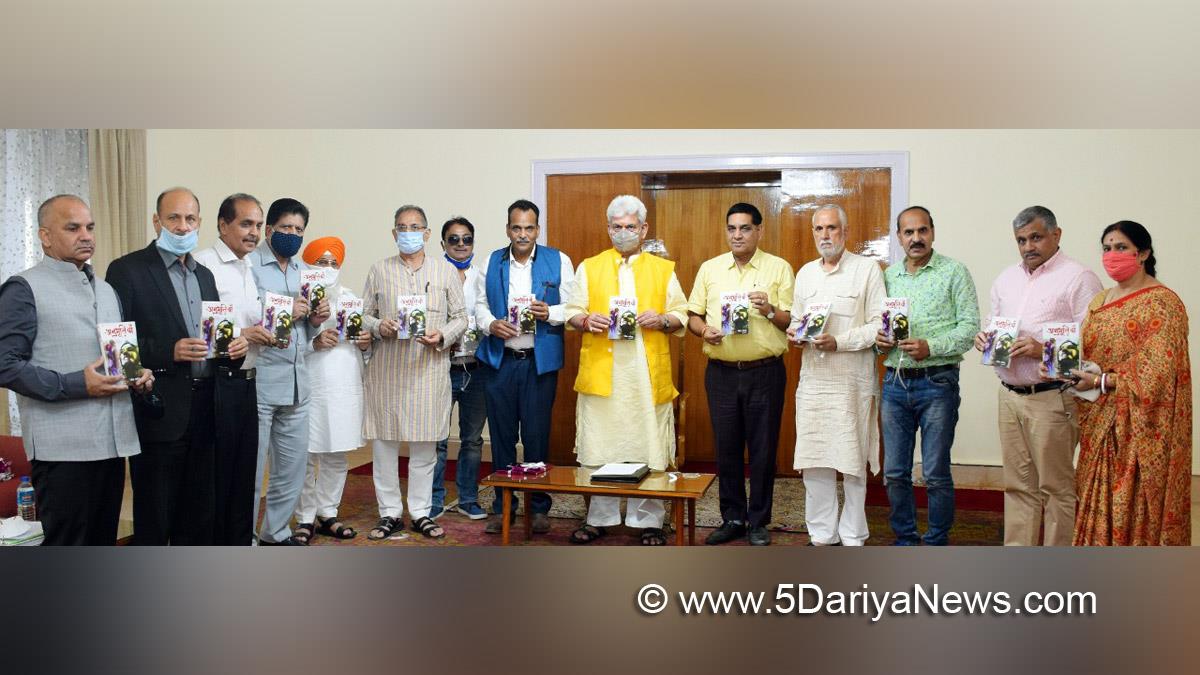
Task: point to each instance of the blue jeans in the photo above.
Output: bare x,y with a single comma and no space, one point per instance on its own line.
467,390
931,404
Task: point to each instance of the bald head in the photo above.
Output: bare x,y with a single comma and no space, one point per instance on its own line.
48,205
66,229
171,192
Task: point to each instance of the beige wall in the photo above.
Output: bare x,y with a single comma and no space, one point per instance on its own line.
973,181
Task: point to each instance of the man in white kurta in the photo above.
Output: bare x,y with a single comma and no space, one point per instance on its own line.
626,426
837,399
335,406
407,387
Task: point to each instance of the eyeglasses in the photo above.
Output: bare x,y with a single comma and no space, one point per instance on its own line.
324,263
455,240
411,228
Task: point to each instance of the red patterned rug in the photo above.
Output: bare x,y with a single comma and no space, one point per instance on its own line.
971,528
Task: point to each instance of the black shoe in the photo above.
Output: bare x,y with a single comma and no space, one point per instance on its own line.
759,536
836,543
728,531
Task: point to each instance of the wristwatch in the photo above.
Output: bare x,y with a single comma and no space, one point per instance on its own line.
771,314
666,324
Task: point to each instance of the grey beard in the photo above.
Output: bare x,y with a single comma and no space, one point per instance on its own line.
831,254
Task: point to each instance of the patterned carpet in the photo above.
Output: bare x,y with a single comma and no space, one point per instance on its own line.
971,528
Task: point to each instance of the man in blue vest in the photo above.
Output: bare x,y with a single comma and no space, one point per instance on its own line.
520,393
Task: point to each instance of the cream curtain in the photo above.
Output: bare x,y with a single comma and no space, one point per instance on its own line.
117,178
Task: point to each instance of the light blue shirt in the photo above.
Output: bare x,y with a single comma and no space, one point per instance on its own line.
282,375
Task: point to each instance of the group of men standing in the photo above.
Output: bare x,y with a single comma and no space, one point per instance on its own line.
206,428
838,400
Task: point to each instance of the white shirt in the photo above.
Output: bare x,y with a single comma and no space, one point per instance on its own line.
236,285
464,351
520,282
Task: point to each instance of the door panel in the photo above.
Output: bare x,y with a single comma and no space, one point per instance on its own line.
691,221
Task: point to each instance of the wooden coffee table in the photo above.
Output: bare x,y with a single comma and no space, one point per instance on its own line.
576,480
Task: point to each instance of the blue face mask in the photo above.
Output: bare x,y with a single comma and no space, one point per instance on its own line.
177,244
286,244
410,242
460,264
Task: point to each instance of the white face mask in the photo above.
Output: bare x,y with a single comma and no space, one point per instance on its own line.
624,240
331,276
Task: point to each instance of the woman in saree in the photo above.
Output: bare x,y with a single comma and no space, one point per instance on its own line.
1134,474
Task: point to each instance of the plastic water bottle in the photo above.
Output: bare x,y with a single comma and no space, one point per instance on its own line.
26,507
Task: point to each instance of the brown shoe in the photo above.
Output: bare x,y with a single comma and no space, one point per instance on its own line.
541,523
495,525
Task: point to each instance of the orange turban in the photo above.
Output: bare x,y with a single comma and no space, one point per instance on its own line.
317,248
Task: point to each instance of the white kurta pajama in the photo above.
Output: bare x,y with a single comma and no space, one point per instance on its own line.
837,398
407,385
628,427
335,417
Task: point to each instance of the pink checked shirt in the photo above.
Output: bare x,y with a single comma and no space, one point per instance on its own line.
1058,291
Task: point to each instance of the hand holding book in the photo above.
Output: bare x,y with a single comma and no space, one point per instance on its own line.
99,385
540,310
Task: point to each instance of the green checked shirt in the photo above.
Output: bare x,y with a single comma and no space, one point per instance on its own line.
943,309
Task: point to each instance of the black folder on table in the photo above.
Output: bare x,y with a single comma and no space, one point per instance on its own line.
628,472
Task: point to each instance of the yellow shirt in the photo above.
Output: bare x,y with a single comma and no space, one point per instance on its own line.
764,272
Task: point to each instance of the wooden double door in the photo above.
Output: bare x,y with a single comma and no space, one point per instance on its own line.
687,211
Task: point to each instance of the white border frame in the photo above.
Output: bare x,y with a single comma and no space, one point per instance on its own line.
897,161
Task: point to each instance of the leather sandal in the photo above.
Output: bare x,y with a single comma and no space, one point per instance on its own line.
303,533
386,527
428,528
586,534
332,527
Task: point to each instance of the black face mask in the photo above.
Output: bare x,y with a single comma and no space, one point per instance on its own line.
286,245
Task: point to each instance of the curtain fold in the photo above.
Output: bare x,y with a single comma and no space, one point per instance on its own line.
117,179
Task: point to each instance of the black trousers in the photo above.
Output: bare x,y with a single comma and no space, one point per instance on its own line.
173,482
79,503
745,407
235,461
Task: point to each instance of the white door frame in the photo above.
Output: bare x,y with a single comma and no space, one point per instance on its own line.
897,161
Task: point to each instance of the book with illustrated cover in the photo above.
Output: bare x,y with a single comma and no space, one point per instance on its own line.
469,341
895,319
277,317
735,313
1062,351
622,318
520,315
812,321
998,341
349,318
119,345
313,286
217,327
410,315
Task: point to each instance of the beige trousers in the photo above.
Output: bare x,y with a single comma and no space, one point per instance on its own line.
1038,435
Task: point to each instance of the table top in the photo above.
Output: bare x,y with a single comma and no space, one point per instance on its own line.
577,480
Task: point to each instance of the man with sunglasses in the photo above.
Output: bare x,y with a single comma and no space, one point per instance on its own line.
467,382
524,367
